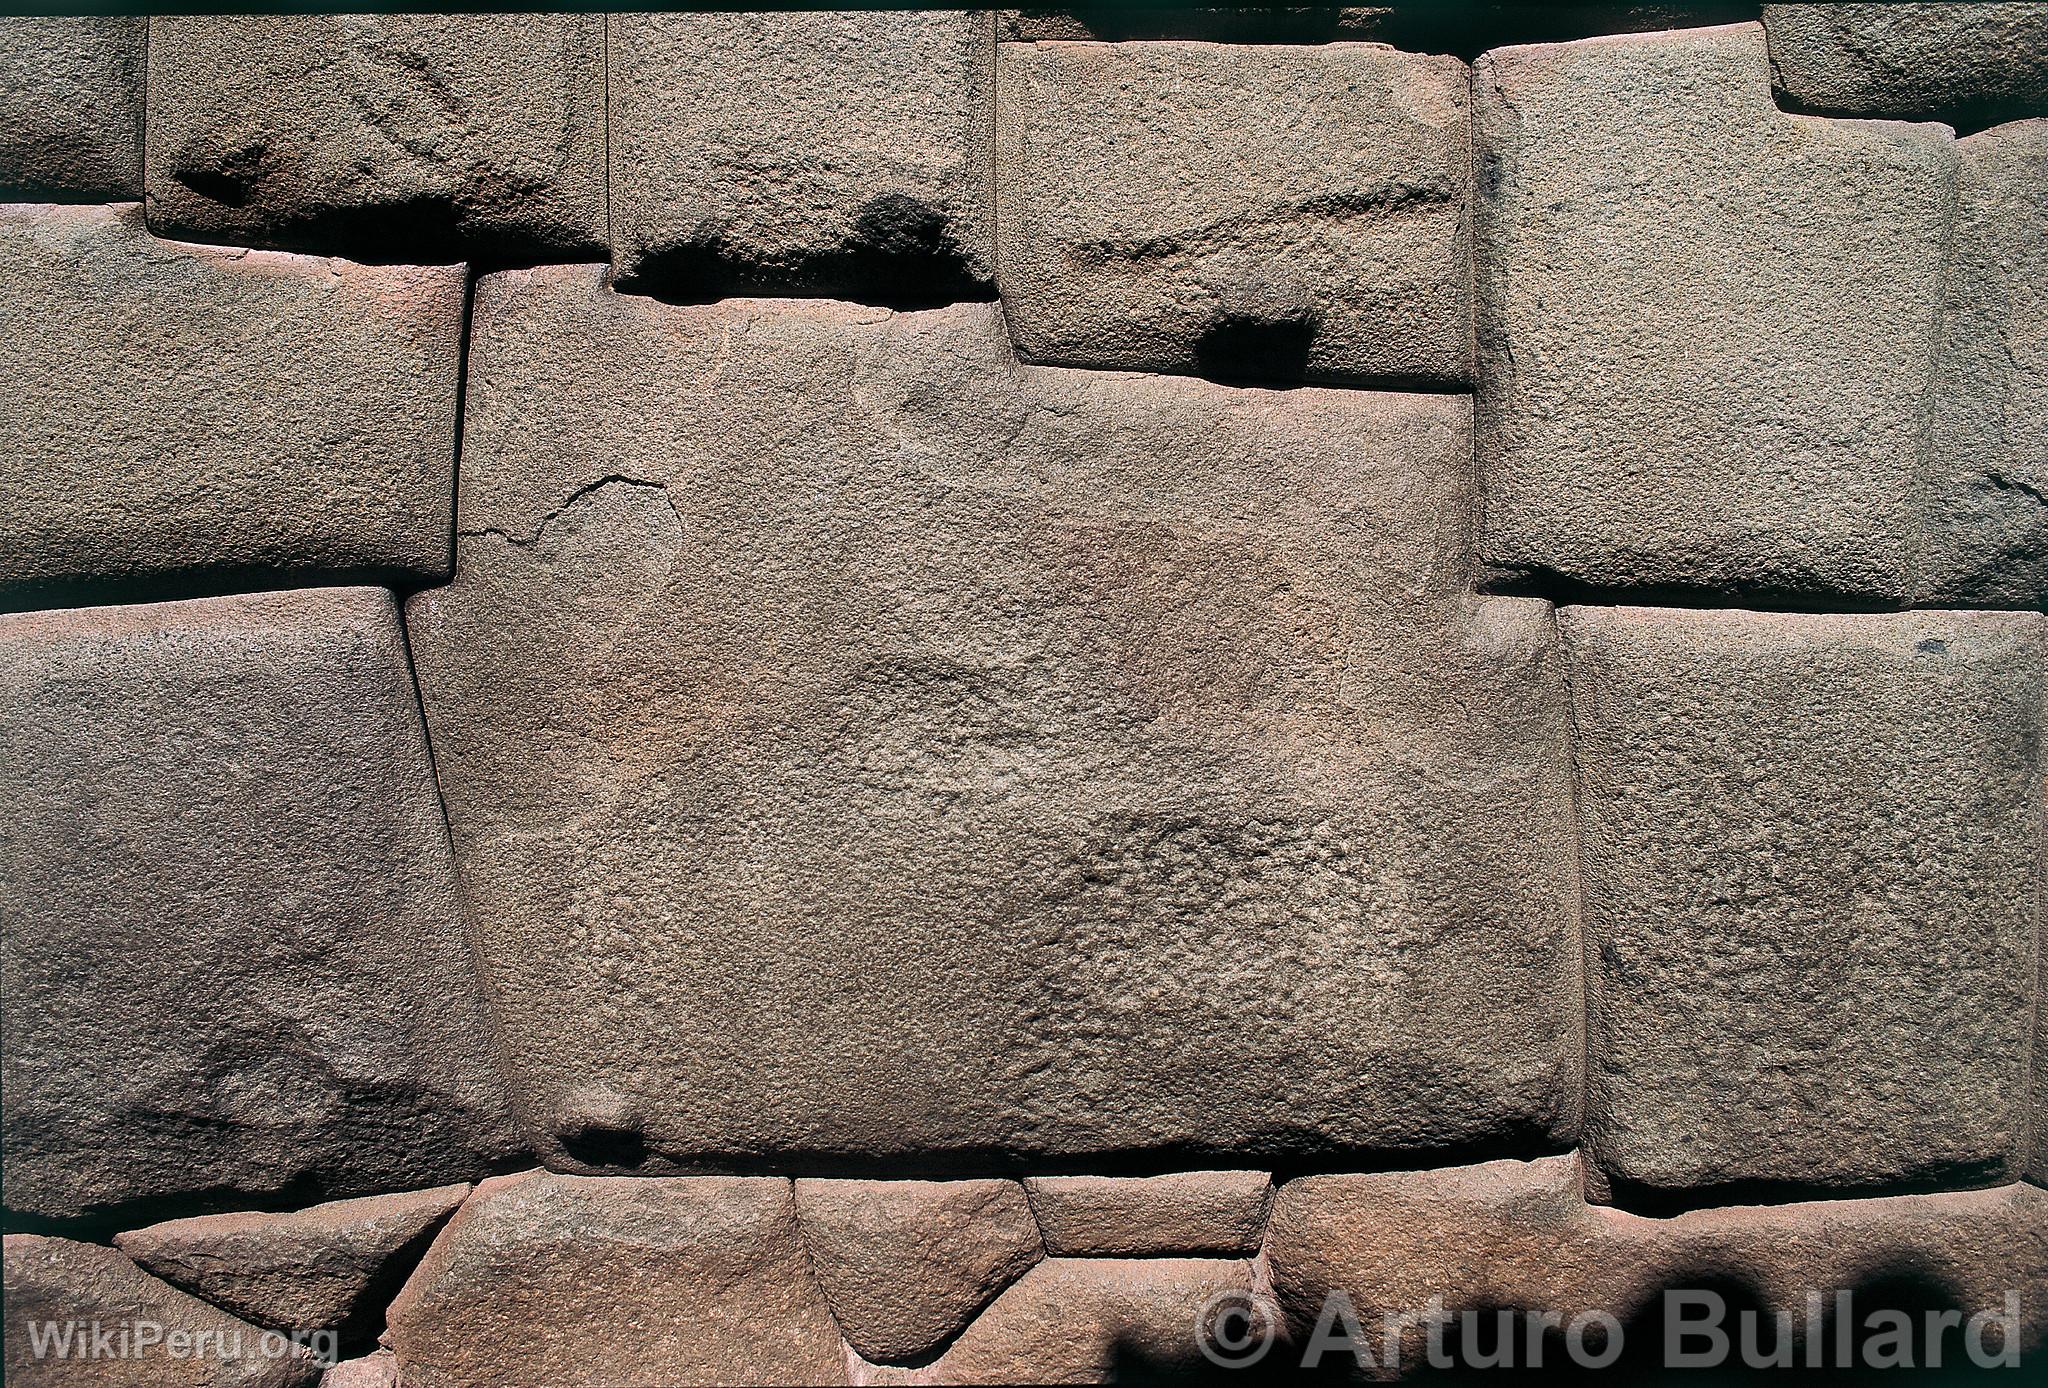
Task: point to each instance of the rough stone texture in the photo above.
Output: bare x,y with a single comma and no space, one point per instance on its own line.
1704,326
379,1370
842,153
1464,27
1971,64
1808,846
859,746
1092,1320
56,1280
70,108
1133,233
906,1264
185,418
553,1280
1987,443
319,1269
1519,1236
233,967
1206,1212
419,136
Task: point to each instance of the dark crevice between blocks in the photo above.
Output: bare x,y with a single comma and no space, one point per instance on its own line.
1664,1202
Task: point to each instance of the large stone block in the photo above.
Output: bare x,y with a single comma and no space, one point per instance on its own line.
545,1281
1809,851
841,153
1518,1237
1704,326
233,964
183,418
1236,211
60,1293
449,134
860,747
1973,64
71,108
1987,444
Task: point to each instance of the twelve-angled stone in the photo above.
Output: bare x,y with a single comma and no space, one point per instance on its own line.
233,963
71,108
1232,210
842,153
182,417
860,745
414,136
1704,326
1809,848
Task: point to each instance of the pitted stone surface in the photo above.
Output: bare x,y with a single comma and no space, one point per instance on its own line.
1969,63
906,1264
54,1283
1205,1212
1235,211
1987,441
313,1270
842,153
186,417
1704,327
1519,1236
974,759
1808,846
233,962
1092,1320
546,1281
71,108
419,136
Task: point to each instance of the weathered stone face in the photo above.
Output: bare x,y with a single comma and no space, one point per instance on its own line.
1704,327
307,1271
233,969
1518,1236
455,134
54,1284
965,759
907,1264
70,108
186,418
545,1281
1974,63
1809,846
844,153
1133,234
1206,1212
1987,430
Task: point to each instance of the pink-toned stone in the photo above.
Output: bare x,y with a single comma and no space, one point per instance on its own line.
312,1270
906,1264
1186,1212
379,1370
563,1281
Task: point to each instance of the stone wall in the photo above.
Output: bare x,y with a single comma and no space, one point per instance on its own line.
944,697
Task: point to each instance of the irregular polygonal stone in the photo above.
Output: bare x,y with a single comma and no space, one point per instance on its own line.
1095,1320
553,1280
1188,1212
1987,440
71,108
976,759
844,153
1235,211
1704,326
459,134
1808,846
1972,64
59,1293
319,1269
906,1264
186,417
1518,1236
233,962
379,1370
